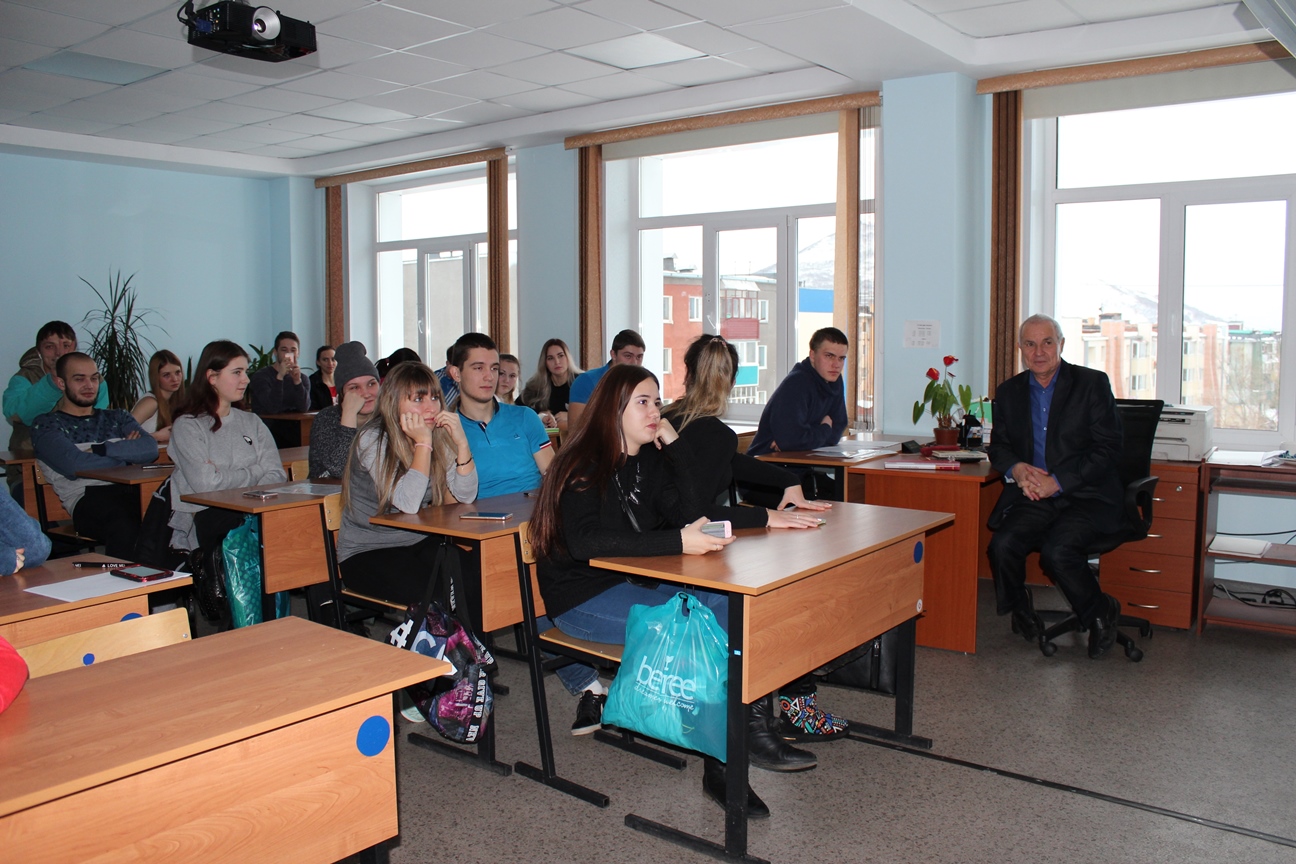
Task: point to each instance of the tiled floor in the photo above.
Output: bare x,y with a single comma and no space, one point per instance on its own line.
1204,725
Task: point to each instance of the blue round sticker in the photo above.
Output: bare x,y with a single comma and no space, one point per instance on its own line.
87,660
918,550
129,615
373,735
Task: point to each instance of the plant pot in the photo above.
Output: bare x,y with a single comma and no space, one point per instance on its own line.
946,435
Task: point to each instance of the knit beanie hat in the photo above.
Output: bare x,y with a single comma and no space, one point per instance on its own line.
352,363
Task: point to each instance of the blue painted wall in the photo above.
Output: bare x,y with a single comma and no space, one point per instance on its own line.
934,235
217,257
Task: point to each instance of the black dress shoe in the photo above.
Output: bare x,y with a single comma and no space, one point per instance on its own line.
1026,621
713,785
766,747
1102,635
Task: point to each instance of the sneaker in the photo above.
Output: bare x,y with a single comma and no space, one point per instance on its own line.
413,714
589,713
802,720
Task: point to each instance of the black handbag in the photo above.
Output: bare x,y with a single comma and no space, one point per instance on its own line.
207,567
872,666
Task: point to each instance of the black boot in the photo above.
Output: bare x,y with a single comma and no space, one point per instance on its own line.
766,747
713,785
1025,620
1102,633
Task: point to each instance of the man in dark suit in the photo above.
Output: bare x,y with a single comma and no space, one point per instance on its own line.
1057,441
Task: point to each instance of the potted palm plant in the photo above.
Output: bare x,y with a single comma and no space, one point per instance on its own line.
942,399
117,341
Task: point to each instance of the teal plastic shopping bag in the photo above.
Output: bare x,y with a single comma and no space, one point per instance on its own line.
673,681
244,583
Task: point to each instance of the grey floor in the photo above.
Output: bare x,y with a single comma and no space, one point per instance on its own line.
1204,726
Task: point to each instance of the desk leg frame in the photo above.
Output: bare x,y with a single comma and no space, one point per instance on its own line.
736,769
904,697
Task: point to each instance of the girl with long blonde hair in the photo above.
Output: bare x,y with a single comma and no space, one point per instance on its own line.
157,408
549,389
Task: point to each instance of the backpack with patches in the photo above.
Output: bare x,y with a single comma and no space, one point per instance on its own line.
458,705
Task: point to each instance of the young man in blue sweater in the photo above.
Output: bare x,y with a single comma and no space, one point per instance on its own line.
808,409
76,436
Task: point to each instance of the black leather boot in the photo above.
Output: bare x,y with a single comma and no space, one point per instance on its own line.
766,747
713,785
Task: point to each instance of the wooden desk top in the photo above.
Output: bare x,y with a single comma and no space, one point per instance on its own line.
445,519
979,472
823,460
288,455
762,559
130,475
232,499
290,415
73,730
18,604
14,457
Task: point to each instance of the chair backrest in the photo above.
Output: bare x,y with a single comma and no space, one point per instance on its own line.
299,470
49,509
106,643
333,511
524,537
1139,419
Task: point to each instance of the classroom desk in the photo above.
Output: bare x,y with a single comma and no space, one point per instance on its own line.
267,743
501,603
832,589
289,455
303,419
292,532
145,478
958,557
839,465
27,618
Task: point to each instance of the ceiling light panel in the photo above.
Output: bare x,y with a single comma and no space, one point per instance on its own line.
105,70
637,51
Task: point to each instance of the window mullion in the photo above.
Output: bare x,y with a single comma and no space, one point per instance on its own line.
1170,301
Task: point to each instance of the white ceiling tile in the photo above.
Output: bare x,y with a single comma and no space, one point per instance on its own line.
643,14
227,112
1116,10
422,126
319,144
131,45
623,85
155,100
634,52
275,99
46,28
553,69
55,123
334,52
707,38
548,99
7,115
388,27
316,11
14,53
195,86
367,134
480,85
53,85
261,134
152,136
305,124
26,101
483,112
114,12
562,28
355,112
417,102
767,60
402,68
478,49
1023,16
280,151
475,13
940,7
191,125
162,23
705,70
217,142
100,112
727,12
337,85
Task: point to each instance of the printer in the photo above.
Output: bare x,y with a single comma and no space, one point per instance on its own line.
1184,433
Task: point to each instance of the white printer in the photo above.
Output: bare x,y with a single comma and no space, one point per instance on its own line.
1184,433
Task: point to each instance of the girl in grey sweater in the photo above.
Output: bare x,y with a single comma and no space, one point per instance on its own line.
411,454
217,446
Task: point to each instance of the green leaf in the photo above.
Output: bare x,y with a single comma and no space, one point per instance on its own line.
918,411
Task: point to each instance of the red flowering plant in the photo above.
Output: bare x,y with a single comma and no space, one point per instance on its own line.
941,398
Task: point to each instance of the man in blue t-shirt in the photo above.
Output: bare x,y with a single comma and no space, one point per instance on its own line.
508,442
627,348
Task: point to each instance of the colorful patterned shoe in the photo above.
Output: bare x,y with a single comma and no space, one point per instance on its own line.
802,720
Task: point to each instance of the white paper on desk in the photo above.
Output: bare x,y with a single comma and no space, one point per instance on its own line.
1251,546
847,452
1243,457
308,489
94,585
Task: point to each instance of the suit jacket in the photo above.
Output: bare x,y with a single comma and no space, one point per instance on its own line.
1083,444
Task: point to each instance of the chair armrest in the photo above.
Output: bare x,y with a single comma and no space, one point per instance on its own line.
1138,502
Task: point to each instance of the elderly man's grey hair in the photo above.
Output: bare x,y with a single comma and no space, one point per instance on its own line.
1040,319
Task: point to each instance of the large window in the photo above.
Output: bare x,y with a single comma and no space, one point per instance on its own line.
743,237
431,261
1162,238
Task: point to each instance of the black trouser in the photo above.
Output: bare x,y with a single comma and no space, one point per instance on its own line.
400,574
1062,531
111,515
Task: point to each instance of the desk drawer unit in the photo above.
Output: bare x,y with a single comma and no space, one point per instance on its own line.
1156,578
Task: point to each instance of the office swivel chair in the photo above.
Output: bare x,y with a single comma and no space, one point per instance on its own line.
1139,419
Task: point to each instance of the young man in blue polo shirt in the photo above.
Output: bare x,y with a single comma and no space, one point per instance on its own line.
627,348
508,442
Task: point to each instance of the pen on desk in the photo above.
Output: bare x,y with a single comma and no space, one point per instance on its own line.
155,467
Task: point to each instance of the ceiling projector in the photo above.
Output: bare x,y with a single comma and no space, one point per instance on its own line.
261,33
